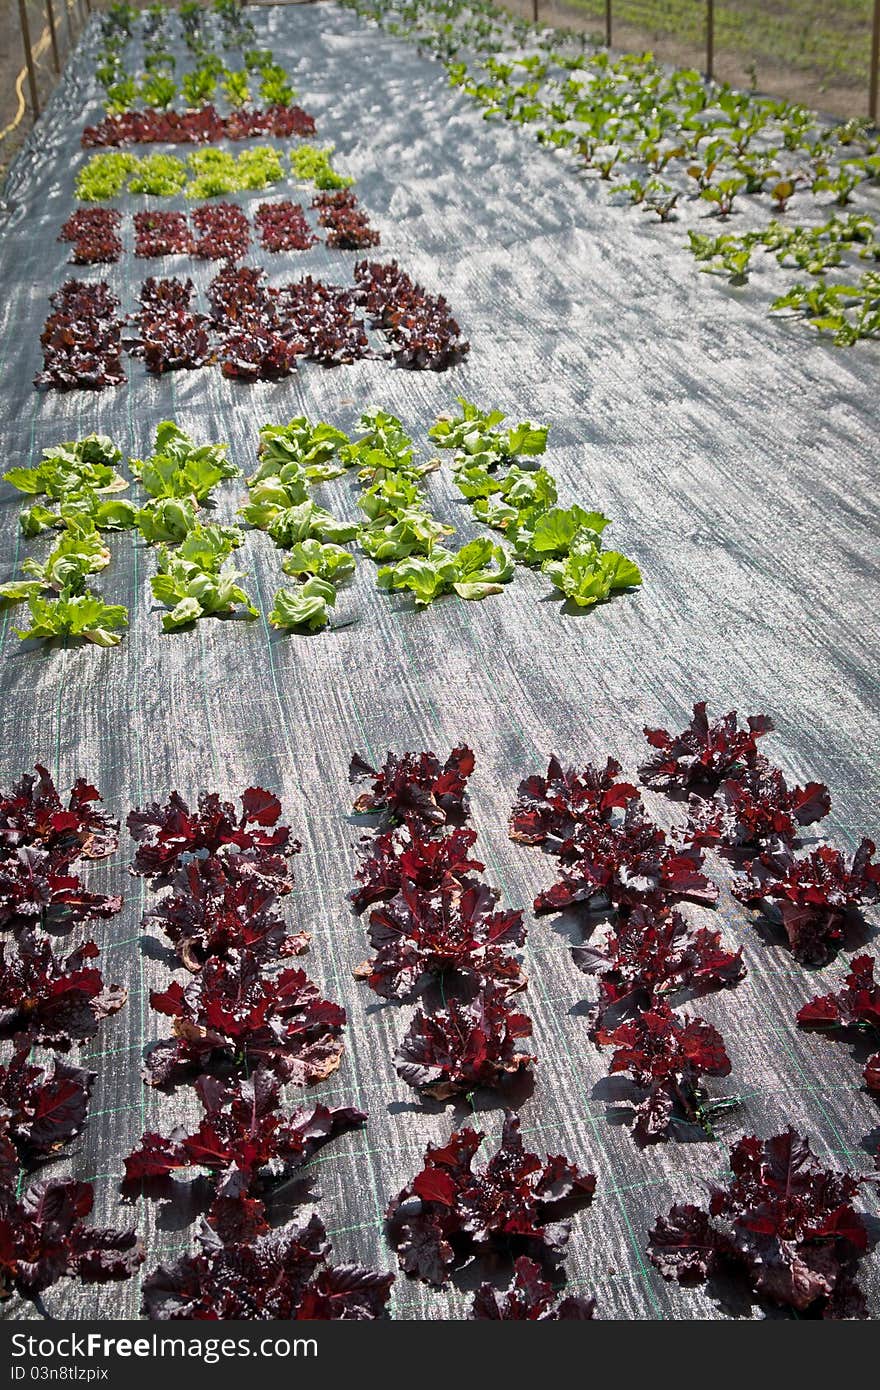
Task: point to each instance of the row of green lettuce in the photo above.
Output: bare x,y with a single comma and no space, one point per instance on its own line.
657,138
205,173
76,492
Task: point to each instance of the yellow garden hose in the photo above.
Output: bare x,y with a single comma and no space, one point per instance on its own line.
40,47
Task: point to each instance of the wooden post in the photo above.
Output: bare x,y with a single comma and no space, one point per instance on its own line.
874,83
29,57
53,37
607,23
535,10
68,25
710,39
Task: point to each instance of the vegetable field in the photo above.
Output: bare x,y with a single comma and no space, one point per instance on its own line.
392,522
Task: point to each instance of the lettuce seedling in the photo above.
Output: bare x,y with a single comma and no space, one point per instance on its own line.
323,560
83,615
783,1222
529,1298
592,576
477,570
180,468
306,607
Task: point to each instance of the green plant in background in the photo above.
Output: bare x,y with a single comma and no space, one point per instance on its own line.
121,95
198,86
259,167
158,90
631,117
235,88
275,89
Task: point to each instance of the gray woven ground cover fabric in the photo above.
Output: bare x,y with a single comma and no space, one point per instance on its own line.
738,460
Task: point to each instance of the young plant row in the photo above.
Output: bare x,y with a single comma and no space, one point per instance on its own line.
671,135
784,1224
155,85
55,1000
262,330
245,1025
848,311
201,126
741,806
75,490
441,938
400,531
218,231
81,480
614,860
206,173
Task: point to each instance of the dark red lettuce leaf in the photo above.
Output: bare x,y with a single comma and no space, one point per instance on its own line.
647,955
233,1016
704,754
816,895
403,857
626,866
165,833
547,809
529,1298
666,1055
857,1005
244,1140
457,928
280,1275
282,226
321,320
42,1108
455,1049
82,339
51,999
32,814
162,234
43,1238
685,1245
95,236
785,1222
214,909
32,892
516,1205
224,232
756,811
203,125
415,788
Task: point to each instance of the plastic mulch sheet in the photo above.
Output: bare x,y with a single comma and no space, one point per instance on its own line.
737,458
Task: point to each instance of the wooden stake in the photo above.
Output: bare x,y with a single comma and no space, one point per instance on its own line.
29,57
